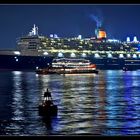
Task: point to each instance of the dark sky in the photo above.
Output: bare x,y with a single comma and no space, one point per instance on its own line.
119,21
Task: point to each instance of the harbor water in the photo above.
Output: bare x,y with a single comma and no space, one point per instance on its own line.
104,104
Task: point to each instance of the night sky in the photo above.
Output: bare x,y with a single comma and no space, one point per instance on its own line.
119,21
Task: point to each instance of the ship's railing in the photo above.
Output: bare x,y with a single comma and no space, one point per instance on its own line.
71,60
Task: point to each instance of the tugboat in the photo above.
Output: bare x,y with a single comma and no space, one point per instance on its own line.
47,108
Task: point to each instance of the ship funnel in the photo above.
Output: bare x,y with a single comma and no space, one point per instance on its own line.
100,33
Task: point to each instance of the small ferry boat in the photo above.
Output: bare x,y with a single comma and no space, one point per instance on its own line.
69,66
47,108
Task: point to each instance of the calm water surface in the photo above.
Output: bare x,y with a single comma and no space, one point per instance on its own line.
103,104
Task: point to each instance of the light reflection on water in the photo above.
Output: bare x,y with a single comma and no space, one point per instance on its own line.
103,104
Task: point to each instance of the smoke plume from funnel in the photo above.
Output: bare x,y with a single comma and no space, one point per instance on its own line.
98,18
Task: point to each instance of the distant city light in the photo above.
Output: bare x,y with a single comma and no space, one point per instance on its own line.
17,52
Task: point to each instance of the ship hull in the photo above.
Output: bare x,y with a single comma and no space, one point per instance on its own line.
19,62
14,62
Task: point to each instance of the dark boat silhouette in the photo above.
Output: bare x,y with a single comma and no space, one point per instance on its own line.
47,108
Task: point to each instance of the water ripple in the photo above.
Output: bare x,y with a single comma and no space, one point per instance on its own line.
103,104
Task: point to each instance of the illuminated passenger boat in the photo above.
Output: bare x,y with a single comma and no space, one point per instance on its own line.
69,66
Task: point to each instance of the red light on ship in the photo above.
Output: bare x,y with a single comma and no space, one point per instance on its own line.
92,66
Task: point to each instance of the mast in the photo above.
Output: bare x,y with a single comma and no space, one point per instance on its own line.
34,31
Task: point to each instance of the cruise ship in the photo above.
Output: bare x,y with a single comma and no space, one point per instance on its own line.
34,51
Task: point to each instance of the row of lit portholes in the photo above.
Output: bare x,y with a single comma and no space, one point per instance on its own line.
96,55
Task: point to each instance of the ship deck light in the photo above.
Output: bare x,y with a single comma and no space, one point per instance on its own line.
109,55
72,55
97,55
45,53
128,55
83,54
134,56
17,52
121,55
60,54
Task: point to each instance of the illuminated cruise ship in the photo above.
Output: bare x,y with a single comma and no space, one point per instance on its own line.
34,51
